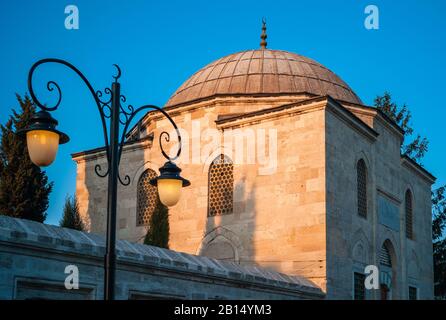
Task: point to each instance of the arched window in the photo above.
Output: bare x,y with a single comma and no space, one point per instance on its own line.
362,188
409,215
146,198
221,185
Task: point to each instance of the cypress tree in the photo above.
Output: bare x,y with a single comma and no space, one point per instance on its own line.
71,217
158,229
24,187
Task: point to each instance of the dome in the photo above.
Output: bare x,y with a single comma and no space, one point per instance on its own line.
263,72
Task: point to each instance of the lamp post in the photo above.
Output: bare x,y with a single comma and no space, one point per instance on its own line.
43,140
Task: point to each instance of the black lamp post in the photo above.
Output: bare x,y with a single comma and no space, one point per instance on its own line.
43,139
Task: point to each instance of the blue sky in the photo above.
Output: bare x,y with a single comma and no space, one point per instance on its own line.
159,44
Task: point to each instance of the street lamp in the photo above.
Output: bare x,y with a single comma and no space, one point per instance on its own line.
43,140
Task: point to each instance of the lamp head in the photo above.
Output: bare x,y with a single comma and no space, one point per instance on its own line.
169,183
43,138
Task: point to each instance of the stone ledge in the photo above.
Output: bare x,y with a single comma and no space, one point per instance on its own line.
51,238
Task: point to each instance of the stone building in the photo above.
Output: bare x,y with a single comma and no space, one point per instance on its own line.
332,195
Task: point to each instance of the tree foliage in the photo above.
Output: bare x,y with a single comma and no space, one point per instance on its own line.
439,240
24,187
71,217
418,146
158,229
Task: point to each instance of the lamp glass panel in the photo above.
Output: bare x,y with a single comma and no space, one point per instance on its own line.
169,191
42,146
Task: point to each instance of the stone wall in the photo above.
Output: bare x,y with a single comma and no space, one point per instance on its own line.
292,242
33,258
353,241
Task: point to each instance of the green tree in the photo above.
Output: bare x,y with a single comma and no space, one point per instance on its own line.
158,229
439,241
71,217
24,187
418,146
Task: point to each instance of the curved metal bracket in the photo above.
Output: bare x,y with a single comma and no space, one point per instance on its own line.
128,119
51,85
105,111
164,133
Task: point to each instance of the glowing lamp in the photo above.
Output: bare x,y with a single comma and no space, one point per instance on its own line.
169,184
43,139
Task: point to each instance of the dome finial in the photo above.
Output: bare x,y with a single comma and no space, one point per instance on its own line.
263,43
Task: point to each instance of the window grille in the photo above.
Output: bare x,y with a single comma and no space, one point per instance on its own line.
409,215
359,287
221,185
146,198
384,256
413,293
362,188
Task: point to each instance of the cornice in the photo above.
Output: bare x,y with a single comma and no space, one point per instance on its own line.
418,169
301,107
98,153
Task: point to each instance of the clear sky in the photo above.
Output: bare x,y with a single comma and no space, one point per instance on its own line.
159,44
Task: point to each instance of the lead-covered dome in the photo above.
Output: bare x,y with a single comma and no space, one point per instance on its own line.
263,72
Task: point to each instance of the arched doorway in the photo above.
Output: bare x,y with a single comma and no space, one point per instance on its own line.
387,271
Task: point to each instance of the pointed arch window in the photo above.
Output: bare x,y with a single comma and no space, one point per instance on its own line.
221,186
409,214
362,188
146,198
